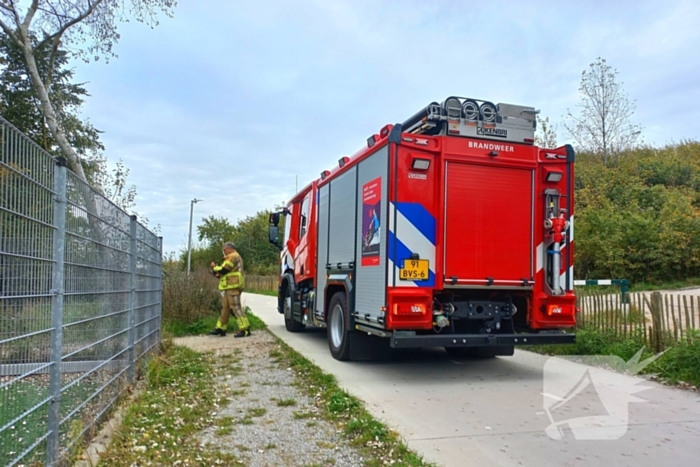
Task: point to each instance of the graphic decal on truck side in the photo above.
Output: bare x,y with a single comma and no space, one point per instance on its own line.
371,221
415,233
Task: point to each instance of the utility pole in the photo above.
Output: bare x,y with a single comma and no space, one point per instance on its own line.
189,240
296,184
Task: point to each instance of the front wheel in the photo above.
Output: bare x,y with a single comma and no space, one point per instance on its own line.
290,323
338,334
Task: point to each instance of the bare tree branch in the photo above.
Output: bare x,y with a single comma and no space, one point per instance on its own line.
92,6
603,125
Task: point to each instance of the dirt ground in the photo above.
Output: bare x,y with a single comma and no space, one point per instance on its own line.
274,422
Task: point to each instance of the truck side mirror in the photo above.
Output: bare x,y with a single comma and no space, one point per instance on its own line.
273,234
275,218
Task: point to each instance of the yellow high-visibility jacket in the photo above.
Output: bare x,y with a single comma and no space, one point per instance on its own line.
230,272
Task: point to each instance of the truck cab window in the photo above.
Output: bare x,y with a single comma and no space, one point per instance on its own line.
288,224
303,222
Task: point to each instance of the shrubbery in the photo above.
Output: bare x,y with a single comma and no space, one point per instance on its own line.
639,217
187,301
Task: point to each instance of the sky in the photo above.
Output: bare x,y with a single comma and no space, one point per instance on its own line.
238,102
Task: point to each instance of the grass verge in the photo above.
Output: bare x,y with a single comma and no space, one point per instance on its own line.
159,427
679,365
378,444
671,285
206,324
270,293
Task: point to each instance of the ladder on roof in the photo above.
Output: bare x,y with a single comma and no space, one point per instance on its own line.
460,116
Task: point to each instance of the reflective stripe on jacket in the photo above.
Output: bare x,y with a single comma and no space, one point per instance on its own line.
230,272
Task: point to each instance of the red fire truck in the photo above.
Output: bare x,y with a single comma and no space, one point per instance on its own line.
451,229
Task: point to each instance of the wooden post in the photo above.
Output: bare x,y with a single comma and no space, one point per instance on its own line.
642,301
672,310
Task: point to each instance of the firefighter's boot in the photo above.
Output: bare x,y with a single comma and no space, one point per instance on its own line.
243,327
219,330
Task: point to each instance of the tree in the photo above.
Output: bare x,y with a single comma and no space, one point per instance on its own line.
215,231
20,105
250,236
546,135
603,125
89,27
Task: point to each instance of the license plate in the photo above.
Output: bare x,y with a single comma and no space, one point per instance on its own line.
415,270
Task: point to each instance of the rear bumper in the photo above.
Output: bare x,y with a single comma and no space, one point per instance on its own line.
405,340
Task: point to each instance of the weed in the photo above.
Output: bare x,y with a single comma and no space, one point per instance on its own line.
257,412
286,402
340,401
225,422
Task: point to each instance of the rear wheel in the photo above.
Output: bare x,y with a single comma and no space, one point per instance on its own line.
339,336
290,323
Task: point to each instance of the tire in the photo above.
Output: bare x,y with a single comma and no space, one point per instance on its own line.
339,337
457,352
290,323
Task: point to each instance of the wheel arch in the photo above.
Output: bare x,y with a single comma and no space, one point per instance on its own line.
286,283
338,283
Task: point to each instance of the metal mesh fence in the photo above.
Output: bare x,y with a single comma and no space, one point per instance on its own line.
80,303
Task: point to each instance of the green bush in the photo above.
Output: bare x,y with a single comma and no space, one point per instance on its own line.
639,218
681,363
188,300
592,341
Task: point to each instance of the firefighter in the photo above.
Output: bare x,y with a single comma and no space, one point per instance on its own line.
231,282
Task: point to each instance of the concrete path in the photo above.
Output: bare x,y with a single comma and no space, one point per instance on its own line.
491,412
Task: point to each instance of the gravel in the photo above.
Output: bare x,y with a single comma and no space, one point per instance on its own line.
268,420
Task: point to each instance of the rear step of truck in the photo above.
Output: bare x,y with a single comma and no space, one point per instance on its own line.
409,339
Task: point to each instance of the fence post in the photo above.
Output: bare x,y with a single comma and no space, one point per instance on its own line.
657,315
132,296
58,291
160,290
